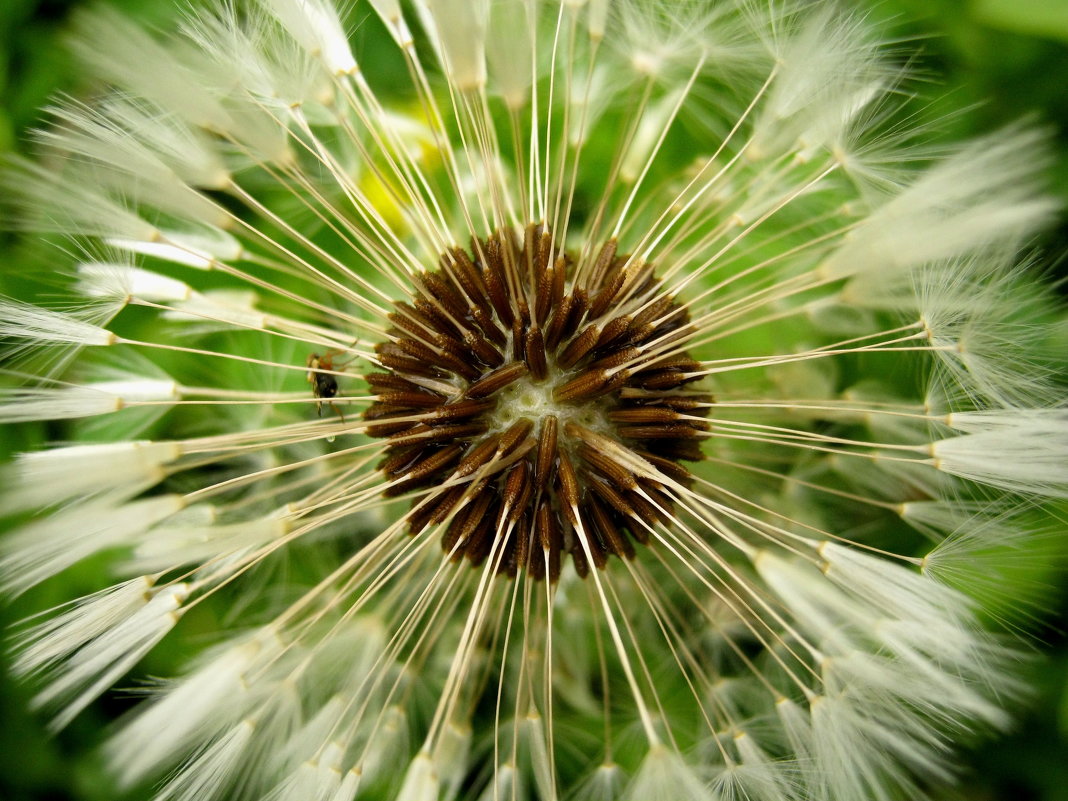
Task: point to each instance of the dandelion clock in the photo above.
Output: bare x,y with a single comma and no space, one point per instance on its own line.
525,399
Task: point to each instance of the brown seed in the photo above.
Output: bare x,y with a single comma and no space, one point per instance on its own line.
687,450
478,455
467,275
601,301
460,410
577,312
394,358
530,247
548,535
637,277
559,279
613,330
555,330
483,349
506,561
535,354
411,321
432,313
439,291
424,433
421,352
419,515
380,382
388,429
669,467
661,379
579,346
652,312
605,491
578,558
466,521
669,431
479,542
523,535
695,404
454,347
643,414
617,359
515,436
517,489
518,340
449,500
637,530
496,283
616,379
433,463
605,258
591,535
410,400
674,362
496,380
570,495
397,460
585,385
490,329
638,333
674,319
615,541
544,298
465,367
544,252
616,473
643,511
661,501
545,464
536,564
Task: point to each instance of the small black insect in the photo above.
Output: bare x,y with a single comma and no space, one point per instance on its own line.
324,385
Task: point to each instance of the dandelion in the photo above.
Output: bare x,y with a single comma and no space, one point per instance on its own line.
563,398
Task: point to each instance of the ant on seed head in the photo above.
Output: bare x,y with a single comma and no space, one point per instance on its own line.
324,385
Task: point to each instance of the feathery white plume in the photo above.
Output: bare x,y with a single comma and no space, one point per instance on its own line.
1022,450
90,670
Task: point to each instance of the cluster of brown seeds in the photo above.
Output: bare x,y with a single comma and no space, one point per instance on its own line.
537,404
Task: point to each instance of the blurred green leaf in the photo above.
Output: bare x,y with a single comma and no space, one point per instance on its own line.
1033,17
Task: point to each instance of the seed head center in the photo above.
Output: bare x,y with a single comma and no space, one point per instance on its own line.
536,406
527,399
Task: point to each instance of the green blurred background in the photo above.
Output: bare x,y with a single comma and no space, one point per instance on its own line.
1000,60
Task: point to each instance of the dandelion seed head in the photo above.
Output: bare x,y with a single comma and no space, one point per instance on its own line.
516,381
552,398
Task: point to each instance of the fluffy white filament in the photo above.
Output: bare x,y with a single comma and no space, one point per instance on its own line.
47,546
203,706
1015,449
23,321
52,477
102,660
